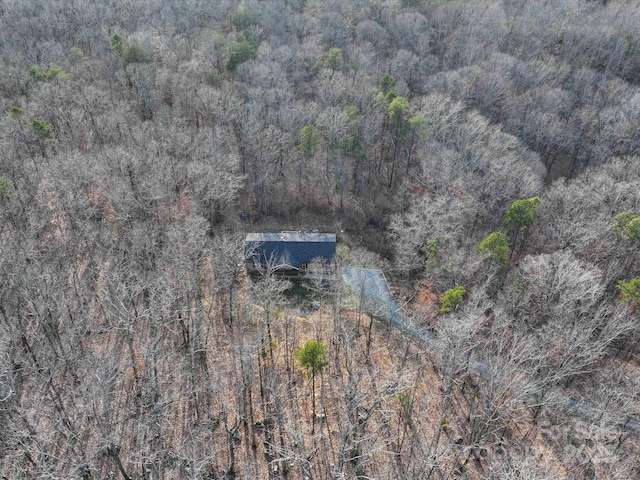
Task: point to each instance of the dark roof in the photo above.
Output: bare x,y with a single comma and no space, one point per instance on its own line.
290,249
291,237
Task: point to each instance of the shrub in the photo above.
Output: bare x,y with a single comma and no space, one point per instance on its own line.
215,79
6,187
494,246
386,83
117,44
42,128
243,19
16,113
136,54
627,225
240,53
51,74
451,299
333,59
629,290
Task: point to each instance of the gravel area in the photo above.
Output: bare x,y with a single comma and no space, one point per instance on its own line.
371,287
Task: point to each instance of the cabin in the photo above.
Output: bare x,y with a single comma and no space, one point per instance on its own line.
289,253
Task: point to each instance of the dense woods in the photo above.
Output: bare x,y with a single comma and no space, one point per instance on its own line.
483,154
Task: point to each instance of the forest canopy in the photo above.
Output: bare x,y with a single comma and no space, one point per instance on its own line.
483,154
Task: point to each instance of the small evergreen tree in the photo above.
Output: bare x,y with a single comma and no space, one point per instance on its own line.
51,74
117,44
386,83
136,54
627,225
494,247
333,60
311,357
6,188
241,52
452,298
431,248
629,290
521,213
519,218
397,110
214,78
42,129
16,113
309,141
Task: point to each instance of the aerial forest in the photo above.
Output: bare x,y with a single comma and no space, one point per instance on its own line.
483,155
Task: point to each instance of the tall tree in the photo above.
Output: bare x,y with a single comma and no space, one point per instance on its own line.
311,357
627,225
518,218
334,60
494,247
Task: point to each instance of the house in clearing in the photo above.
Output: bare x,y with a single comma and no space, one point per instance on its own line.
288,253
